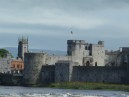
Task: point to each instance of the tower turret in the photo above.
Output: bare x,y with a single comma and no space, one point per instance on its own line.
76,49
22,47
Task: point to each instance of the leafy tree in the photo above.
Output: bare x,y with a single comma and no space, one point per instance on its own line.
4,53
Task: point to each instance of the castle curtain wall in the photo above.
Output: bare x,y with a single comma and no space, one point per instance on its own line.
99,74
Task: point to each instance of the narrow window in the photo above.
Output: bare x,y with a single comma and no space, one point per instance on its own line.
86,48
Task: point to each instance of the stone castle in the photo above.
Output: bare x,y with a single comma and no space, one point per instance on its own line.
84,62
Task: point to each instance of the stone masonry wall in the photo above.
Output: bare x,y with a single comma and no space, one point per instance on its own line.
52,59
98,53
99,74
76,49
48,74
63,72
33,63
5,64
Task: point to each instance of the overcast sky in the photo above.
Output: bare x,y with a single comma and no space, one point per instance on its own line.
48,23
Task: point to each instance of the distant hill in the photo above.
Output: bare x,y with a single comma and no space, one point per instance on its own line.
14,50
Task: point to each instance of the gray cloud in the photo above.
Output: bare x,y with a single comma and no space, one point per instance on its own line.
54,19
66,5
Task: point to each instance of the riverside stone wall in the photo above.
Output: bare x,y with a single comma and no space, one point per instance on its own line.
99,74
9,79
48,74
37,71
64,72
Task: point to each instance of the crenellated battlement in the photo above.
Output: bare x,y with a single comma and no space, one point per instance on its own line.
82,42
101,43
23,40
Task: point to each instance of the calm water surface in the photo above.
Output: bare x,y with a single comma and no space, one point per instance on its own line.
7,91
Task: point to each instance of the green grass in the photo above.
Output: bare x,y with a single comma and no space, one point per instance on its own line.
87,86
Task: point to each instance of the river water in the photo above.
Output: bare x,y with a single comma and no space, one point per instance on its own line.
7,91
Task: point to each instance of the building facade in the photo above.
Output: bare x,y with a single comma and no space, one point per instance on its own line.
84,62
17,65
79,53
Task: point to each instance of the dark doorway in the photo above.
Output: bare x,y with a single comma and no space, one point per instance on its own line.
87,63
95,63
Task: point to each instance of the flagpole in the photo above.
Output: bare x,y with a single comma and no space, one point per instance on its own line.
71,39
71,35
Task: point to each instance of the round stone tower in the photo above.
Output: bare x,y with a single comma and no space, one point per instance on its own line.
33,63
76,49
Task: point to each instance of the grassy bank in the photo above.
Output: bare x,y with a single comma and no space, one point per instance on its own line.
87,86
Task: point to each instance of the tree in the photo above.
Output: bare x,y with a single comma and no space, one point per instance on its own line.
4,53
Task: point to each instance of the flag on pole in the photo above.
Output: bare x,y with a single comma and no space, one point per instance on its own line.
71,35
71,32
